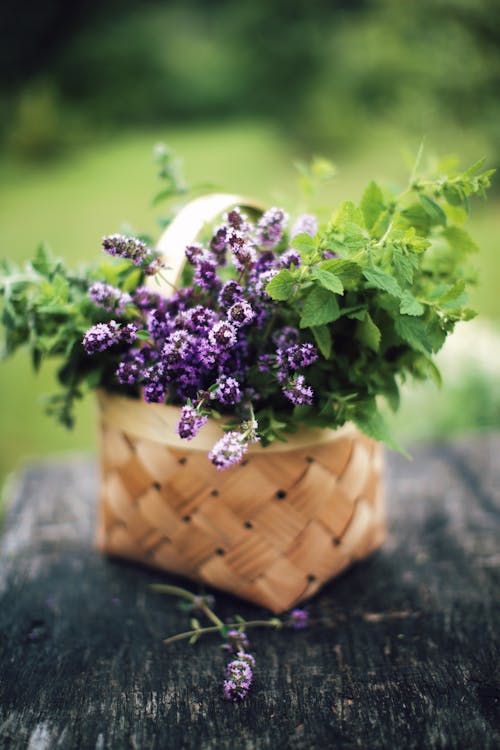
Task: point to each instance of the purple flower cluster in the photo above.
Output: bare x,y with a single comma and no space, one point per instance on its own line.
212,344
190,422
305,224
271,227
105,335
299,619
134,250
229,450
239,677
298,392
109,297
237,641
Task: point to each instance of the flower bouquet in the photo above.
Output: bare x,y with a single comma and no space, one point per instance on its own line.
239,369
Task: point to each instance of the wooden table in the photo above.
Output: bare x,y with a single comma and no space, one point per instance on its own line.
402,651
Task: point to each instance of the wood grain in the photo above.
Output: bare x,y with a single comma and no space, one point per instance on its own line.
402,651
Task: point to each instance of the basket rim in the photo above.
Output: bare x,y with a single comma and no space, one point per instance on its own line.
157,422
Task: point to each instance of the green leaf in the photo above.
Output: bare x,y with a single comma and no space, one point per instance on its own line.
320,307
416,216
460,240
348,271
323,339
410,305
370,421
303,242
372,205
405,264
474,168
347,213
368,333
436,336
328,280
282,286
381,280
42,262
413,331
143,335
433,209
455,297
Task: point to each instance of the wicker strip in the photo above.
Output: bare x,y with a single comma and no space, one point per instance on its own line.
272,530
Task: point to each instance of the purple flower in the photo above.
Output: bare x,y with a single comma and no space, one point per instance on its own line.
301,355
129,372
230,292
241,313
145,299
285,337
237,642
264,362
271,226
199,319
238,221
329,254
299,619
132,249
104,335
298,392
242,250
288,258
229,450
305,224
190,422
109,297
194,252
177,347
223,334
128,333
205,271
239,677
228,391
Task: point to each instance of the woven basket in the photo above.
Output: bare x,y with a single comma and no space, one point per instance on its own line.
271,530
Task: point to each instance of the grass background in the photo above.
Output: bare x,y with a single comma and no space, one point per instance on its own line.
73,201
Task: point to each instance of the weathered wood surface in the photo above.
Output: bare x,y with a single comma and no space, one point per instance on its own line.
401,652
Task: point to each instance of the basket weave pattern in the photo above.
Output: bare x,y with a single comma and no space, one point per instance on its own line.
272,530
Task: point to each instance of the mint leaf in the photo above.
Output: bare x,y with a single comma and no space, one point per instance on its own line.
323,339
381,280
329,280
303,242
413,331
320,307
433,209
455,297
282,286
372,205
348,271
370,421
405,264
368,333
460,241
410,305
347,213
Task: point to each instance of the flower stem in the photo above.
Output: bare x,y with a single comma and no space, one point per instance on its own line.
273,623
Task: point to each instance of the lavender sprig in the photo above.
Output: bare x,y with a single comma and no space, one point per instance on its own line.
239,671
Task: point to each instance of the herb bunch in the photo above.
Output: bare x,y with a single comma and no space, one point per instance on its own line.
275,324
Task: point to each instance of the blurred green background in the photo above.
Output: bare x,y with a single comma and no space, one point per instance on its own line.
241,91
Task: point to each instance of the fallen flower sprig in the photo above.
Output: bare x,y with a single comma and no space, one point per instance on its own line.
239,672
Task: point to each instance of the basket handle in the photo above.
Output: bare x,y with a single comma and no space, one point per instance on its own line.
185,229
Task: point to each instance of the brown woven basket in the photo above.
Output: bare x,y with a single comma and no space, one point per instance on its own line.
271,530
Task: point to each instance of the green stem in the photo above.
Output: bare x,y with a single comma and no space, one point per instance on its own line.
274,623
164,588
